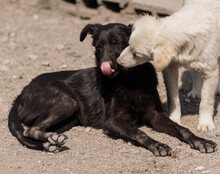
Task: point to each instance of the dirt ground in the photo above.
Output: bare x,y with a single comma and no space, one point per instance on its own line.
35,41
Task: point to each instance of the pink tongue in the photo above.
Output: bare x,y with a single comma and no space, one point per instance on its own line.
106,68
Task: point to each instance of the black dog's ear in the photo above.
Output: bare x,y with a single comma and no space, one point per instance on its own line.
90,28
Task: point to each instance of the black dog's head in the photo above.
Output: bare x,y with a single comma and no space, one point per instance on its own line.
109,41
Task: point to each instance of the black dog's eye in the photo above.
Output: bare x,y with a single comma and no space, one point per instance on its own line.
114,41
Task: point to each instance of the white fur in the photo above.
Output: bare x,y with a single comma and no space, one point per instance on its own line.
190,38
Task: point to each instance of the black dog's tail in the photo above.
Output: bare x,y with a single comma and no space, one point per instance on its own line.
16,128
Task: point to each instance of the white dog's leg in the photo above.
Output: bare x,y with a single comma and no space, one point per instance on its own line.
210,82
196,86
170,75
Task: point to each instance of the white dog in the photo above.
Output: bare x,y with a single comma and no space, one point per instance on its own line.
190,38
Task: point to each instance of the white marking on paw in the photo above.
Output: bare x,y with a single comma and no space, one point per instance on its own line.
53,149
61,139
50,139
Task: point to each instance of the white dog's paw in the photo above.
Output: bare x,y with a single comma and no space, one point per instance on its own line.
206,127
194,94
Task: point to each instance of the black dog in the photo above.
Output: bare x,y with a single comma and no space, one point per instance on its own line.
108,97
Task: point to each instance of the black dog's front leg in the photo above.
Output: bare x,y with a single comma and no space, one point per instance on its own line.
161,123
121,128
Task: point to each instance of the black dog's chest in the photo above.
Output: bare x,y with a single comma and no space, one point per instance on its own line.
133,98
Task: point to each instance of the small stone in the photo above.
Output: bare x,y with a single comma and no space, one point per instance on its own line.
60,47
35,17
32,56
88,129
218,134
12,34
45,63
135,151
187,100
205,172
64,66
17,77
199,168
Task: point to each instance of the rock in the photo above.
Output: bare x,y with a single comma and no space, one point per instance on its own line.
199,168
35,17
17,77
218,134
32,56
88,129
12,35
64,66
74,54
45,63
205,172
59,47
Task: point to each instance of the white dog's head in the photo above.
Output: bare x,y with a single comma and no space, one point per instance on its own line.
146,45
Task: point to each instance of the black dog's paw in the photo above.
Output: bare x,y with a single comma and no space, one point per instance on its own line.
57,139
159,149
203,145
55,142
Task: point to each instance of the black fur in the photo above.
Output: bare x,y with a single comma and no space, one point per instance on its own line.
119,103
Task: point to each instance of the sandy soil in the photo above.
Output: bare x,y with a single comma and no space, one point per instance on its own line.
35,41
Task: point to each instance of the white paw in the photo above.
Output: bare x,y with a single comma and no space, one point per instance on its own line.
206,127
194,94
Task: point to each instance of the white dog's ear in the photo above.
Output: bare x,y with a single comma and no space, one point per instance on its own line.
162,56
